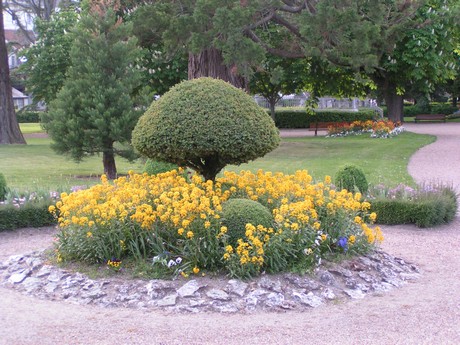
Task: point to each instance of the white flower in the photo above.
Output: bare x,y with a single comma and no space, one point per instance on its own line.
178,260
171,263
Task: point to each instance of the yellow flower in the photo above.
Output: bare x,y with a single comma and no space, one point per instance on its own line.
52,209
207,224
190,234
196,270
327,179
226,256
89,234
352,239
323,237
223,229
229,249
373,216
180,231
183,274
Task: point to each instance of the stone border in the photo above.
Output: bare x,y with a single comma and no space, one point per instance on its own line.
353,279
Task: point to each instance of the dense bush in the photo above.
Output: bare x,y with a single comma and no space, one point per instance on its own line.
28,215
205,124
153,167
434,108
424,207
179,223
28,116
3,187
350,178
298,118
236,213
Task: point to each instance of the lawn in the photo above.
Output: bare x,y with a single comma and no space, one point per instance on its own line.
36,166
382,160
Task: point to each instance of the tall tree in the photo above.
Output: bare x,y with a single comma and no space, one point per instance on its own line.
49,59
94,112
9,128
24,12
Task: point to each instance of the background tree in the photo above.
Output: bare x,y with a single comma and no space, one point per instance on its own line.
277,77
49,59
9,128
24,12
205,124
94,111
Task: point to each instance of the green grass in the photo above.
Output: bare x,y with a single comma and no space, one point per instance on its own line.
27,128
382,160
35,166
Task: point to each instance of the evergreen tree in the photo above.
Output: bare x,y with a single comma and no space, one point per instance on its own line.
94,111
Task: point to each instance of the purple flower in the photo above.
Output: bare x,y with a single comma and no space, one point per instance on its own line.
343,242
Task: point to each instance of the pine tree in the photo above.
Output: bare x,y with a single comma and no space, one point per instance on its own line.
94,111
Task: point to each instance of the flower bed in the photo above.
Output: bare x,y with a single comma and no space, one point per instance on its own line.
179,223
377,129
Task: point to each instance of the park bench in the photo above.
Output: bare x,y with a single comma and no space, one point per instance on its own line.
430,117
323,126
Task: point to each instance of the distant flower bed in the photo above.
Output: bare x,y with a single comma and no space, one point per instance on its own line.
377,129
187,227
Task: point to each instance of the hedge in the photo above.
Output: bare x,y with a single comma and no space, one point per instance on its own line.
425,212
435,108
298,118
30,215
28,116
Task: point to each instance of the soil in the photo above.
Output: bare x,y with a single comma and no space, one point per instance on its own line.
426,311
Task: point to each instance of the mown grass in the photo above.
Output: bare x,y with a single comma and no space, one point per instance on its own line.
382,160
35,166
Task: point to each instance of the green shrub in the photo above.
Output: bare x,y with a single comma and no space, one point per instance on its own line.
28,116
426,209
236,213
153,167
298,118
3,187
28,215
434,108
351,177
205,124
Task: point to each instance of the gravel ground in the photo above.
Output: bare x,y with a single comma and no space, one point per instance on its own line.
426,311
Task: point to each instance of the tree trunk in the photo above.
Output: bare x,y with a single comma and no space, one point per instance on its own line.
9,128
454,101
110,169
210,63
394,104
272,109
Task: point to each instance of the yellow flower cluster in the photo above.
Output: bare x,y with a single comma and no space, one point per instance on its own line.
190,210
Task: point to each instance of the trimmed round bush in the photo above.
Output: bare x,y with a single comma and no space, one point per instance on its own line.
236,213
157,167
3,187
205,124
351,177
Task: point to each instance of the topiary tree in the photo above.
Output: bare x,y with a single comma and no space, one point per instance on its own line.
205,124
236,213
350,177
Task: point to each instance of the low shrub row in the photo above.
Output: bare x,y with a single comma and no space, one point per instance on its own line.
422,208
298,118
29,215
434,108
28,116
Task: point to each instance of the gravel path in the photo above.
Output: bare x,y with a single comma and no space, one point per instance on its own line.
426,311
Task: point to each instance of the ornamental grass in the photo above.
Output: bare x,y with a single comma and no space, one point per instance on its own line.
174,223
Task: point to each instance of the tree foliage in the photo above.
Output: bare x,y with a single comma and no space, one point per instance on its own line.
205,124
94,112
49,58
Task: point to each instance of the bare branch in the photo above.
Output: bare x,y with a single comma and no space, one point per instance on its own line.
291,27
